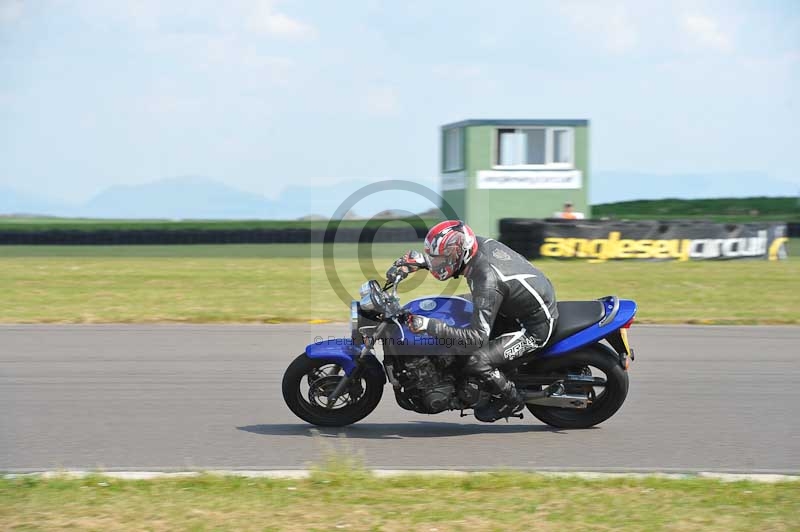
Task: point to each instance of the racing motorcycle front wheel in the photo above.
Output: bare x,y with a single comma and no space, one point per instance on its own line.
596,361
308,383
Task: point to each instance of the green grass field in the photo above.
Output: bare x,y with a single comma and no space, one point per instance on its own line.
279,283
353,500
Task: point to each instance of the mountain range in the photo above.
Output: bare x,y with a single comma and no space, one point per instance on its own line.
204,198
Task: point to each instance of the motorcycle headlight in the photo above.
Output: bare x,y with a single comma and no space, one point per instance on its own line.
370,296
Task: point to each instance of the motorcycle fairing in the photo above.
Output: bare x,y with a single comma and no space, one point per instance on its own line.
619,317
457,311
339,351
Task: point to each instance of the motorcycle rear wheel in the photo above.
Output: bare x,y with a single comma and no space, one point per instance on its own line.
322,377
603,406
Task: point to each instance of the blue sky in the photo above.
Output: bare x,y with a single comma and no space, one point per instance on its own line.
261,95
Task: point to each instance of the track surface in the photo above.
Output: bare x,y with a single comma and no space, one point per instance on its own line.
164,397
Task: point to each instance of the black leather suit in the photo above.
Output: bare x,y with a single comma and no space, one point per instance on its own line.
514,312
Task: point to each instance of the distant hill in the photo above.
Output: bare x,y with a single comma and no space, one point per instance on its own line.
203,198
185,197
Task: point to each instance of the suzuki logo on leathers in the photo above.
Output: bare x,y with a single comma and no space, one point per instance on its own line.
501,255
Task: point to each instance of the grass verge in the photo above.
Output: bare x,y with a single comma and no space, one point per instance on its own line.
352,499
272,284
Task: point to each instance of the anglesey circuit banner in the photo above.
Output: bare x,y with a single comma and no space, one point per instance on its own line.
644,240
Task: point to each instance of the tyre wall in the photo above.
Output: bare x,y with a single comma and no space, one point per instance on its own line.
644,240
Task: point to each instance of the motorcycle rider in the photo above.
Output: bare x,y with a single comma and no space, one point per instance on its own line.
514,306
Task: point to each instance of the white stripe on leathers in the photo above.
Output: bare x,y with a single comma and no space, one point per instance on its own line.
521,278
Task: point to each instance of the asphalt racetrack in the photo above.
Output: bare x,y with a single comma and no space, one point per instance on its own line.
180,397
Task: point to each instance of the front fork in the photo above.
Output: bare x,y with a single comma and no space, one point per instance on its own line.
366,349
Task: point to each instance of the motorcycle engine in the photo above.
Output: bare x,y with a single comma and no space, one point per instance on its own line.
431,389
471,393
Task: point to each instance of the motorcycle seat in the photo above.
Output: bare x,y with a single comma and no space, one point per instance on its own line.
574,316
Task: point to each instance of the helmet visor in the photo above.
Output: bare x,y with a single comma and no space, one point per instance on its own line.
444,266
438,263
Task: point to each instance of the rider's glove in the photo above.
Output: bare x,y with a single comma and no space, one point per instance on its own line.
418,324
415,260
396,271
408,263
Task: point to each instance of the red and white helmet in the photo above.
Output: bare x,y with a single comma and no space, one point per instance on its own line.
449,246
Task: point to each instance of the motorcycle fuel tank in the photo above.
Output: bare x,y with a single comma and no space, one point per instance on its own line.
454,311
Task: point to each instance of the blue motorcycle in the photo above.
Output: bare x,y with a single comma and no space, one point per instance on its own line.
578,380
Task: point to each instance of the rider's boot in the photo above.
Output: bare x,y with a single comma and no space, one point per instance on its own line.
511,401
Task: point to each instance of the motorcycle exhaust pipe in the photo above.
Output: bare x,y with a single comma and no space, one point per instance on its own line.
554,395
561,401
553,389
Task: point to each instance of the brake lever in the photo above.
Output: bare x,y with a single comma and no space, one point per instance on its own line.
396,320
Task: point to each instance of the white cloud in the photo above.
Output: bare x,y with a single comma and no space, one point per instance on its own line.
7,99
460,72
265,19
611,23
232,51
223,41
706,32
198,16
381,101
10,10
222,58
269,69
